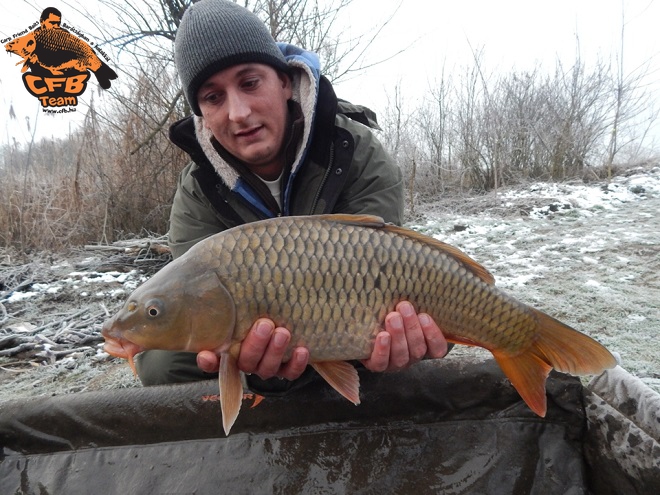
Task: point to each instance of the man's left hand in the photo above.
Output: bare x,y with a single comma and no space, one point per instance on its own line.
407,338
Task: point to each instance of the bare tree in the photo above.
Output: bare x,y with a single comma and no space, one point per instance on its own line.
436,126
630,101
318,26
396,127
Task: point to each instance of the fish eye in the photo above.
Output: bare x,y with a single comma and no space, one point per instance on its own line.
154,308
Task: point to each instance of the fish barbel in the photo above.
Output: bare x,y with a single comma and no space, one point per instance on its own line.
331,280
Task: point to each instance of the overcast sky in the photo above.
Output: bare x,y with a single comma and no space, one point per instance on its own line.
513,34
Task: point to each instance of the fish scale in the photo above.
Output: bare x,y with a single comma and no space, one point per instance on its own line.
331,280
59,39
327,261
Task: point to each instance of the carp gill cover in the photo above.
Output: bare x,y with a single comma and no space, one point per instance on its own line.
331,280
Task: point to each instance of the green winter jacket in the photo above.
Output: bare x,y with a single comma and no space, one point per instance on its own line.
340,167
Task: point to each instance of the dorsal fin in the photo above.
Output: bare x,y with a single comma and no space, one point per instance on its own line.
378,223
359,220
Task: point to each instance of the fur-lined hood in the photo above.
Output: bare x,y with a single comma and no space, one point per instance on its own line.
305,74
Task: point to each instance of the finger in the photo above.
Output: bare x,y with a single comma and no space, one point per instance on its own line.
399,355
207,361
255,344
413,330
435,340
380,356
296,365
272,359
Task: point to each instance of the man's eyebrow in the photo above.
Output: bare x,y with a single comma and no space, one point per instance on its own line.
206,84
246,70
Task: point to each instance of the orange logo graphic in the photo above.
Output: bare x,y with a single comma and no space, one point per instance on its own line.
56,63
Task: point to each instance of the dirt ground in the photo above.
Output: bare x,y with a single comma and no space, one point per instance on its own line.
594,266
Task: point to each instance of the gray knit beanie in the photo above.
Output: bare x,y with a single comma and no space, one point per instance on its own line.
216,34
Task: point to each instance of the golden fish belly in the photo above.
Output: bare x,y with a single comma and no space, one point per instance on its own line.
332,285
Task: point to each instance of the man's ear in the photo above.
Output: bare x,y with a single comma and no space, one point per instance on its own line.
204,123
286,82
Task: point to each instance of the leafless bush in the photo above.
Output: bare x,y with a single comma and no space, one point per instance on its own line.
479,131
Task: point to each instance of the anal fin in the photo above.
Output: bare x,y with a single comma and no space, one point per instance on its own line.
341,376
527,373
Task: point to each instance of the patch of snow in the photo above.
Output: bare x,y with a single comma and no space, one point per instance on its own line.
508,282
20,296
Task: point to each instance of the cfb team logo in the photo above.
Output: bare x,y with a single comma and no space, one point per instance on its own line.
56,63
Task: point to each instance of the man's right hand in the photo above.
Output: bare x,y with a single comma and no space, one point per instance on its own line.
262,352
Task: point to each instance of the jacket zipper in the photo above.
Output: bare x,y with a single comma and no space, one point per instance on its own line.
325,178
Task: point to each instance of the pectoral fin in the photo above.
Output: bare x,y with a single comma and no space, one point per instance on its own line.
342,377
231,390
131,363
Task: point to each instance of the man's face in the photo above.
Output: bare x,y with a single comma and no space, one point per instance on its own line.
245,107
53,21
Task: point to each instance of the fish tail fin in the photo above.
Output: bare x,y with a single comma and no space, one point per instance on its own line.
557,346
570,351
104,75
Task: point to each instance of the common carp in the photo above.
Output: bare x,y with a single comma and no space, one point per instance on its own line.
331,280
57,50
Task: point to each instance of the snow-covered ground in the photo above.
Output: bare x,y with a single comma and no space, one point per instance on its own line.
587,254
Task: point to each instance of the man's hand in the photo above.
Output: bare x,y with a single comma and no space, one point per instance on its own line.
407,338
262,352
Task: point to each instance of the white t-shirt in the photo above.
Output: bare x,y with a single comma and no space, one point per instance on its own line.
275,188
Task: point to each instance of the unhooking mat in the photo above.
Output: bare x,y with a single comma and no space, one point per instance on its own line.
445,426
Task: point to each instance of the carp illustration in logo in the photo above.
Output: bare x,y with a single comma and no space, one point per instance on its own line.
50,51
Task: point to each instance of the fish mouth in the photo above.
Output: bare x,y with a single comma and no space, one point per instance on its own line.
122,348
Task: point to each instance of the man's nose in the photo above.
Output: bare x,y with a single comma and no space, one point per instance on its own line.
238,107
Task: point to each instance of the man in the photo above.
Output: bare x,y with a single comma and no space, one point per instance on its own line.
51,18
270,138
